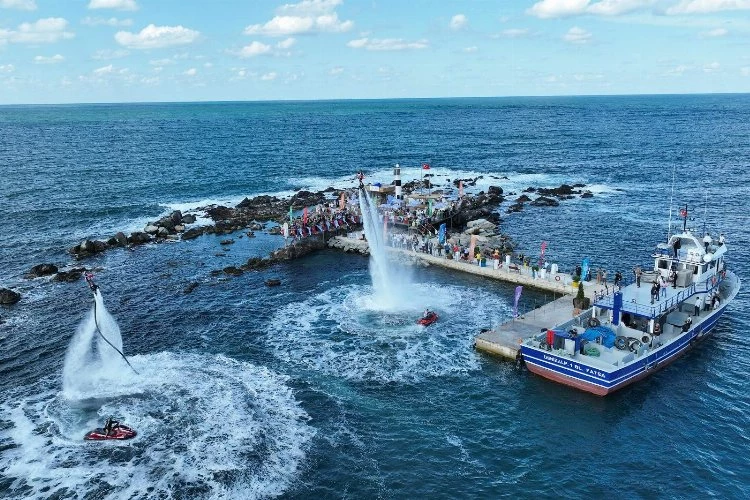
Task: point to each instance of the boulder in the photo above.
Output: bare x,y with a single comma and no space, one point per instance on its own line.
233,271
256,263
587,194
219,212
192,233
179,228
70,276
100,246
299,248
176,217
495,190
8,297
516,207
275,230
192,286
227,242
523,199
162,232
41,270
188,219
150,229
138,238
545,202
121,239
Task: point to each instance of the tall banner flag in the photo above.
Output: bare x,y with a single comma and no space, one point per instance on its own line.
541,258
584,268
385,228
285,230
519,289
460,189
441,234
304,216
342,201
472,245
291,215
429,206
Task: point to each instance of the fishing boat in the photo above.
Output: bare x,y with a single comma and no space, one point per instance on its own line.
625,335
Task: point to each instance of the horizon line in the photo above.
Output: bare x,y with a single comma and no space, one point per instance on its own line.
340,99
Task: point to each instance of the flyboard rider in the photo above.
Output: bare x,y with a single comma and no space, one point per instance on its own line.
361,178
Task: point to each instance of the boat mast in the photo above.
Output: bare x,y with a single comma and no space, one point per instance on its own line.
671,199
684,219
705,213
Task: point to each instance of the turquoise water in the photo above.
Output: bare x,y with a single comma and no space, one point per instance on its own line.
307,389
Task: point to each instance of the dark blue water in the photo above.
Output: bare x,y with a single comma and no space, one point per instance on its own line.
306,390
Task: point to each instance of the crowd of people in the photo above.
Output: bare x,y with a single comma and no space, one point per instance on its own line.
328,217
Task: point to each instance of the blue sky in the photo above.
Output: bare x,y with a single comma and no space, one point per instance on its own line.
55,51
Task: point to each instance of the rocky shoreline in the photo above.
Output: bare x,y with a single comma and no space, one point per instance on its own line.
478,214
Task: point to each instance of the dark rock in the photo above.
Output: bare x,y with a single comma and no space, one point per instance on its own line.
275,230
176,216
100,246
273,282
563,190
329,189
192,233
41,270
8,297
188,219
545,202
233,271
70,276
191,286
579,186
220,212
257,263
138,238
523,199
226,242
306,199
495,190
529,190
516,207
216,272
587,194
299,248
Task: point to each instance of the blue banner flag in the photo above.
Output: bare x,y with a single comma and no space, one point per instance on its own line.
441,234
519,289
584,268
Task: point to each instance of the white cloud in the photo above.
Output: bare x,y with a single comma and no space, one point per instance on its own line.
707,6
57,58
387,44
269,76
711,67
286,44
558,8
562,8
336,71
161,62
515,33
18,4
104,70
471,49
48,30
113,4
191,72
678,70
459,22
308,16
101,21
109,54
208,65
7,68
156,37
715,33
577,35
255,48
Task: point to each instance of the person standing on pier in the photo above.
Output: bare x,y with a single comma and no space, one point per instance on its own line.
638,272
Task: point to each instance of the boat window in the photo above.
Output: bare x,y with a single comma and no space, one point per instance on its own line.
712,264
663,264
694,269
703,268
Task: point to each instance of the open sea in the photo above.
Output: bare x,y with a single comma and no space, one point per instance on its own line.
308,390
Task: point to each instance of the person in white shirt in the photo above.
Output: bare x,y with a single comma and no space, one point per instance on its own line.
707,241
698,304
721,239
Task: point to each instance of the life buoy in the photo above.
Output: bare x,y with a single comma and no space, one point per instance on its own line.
557,278
621,343
634,344
594,322
646,338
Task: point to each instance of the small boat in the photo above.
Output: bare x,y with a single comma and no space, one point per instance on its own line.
120,432
429,319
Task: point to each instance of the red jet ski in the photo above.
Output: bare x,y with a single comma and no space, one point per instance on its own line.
118,431
429,319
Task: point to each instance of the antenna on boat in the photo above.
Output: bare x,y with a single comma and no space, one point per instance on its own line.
705,213
671,199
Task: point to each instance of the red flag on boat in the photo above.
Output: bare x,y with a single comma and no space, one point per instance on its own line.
683,212
544,247
425,166
304,216
460,189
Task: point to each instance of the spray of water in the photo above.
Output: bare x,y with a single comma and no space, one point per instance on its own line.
391,284
90,359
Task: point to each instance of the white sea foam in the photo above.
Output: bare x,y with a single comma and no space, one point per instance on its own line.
342,332
207,425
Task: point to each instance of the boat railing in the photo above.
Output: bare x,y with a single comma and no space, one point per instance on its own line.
655,310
